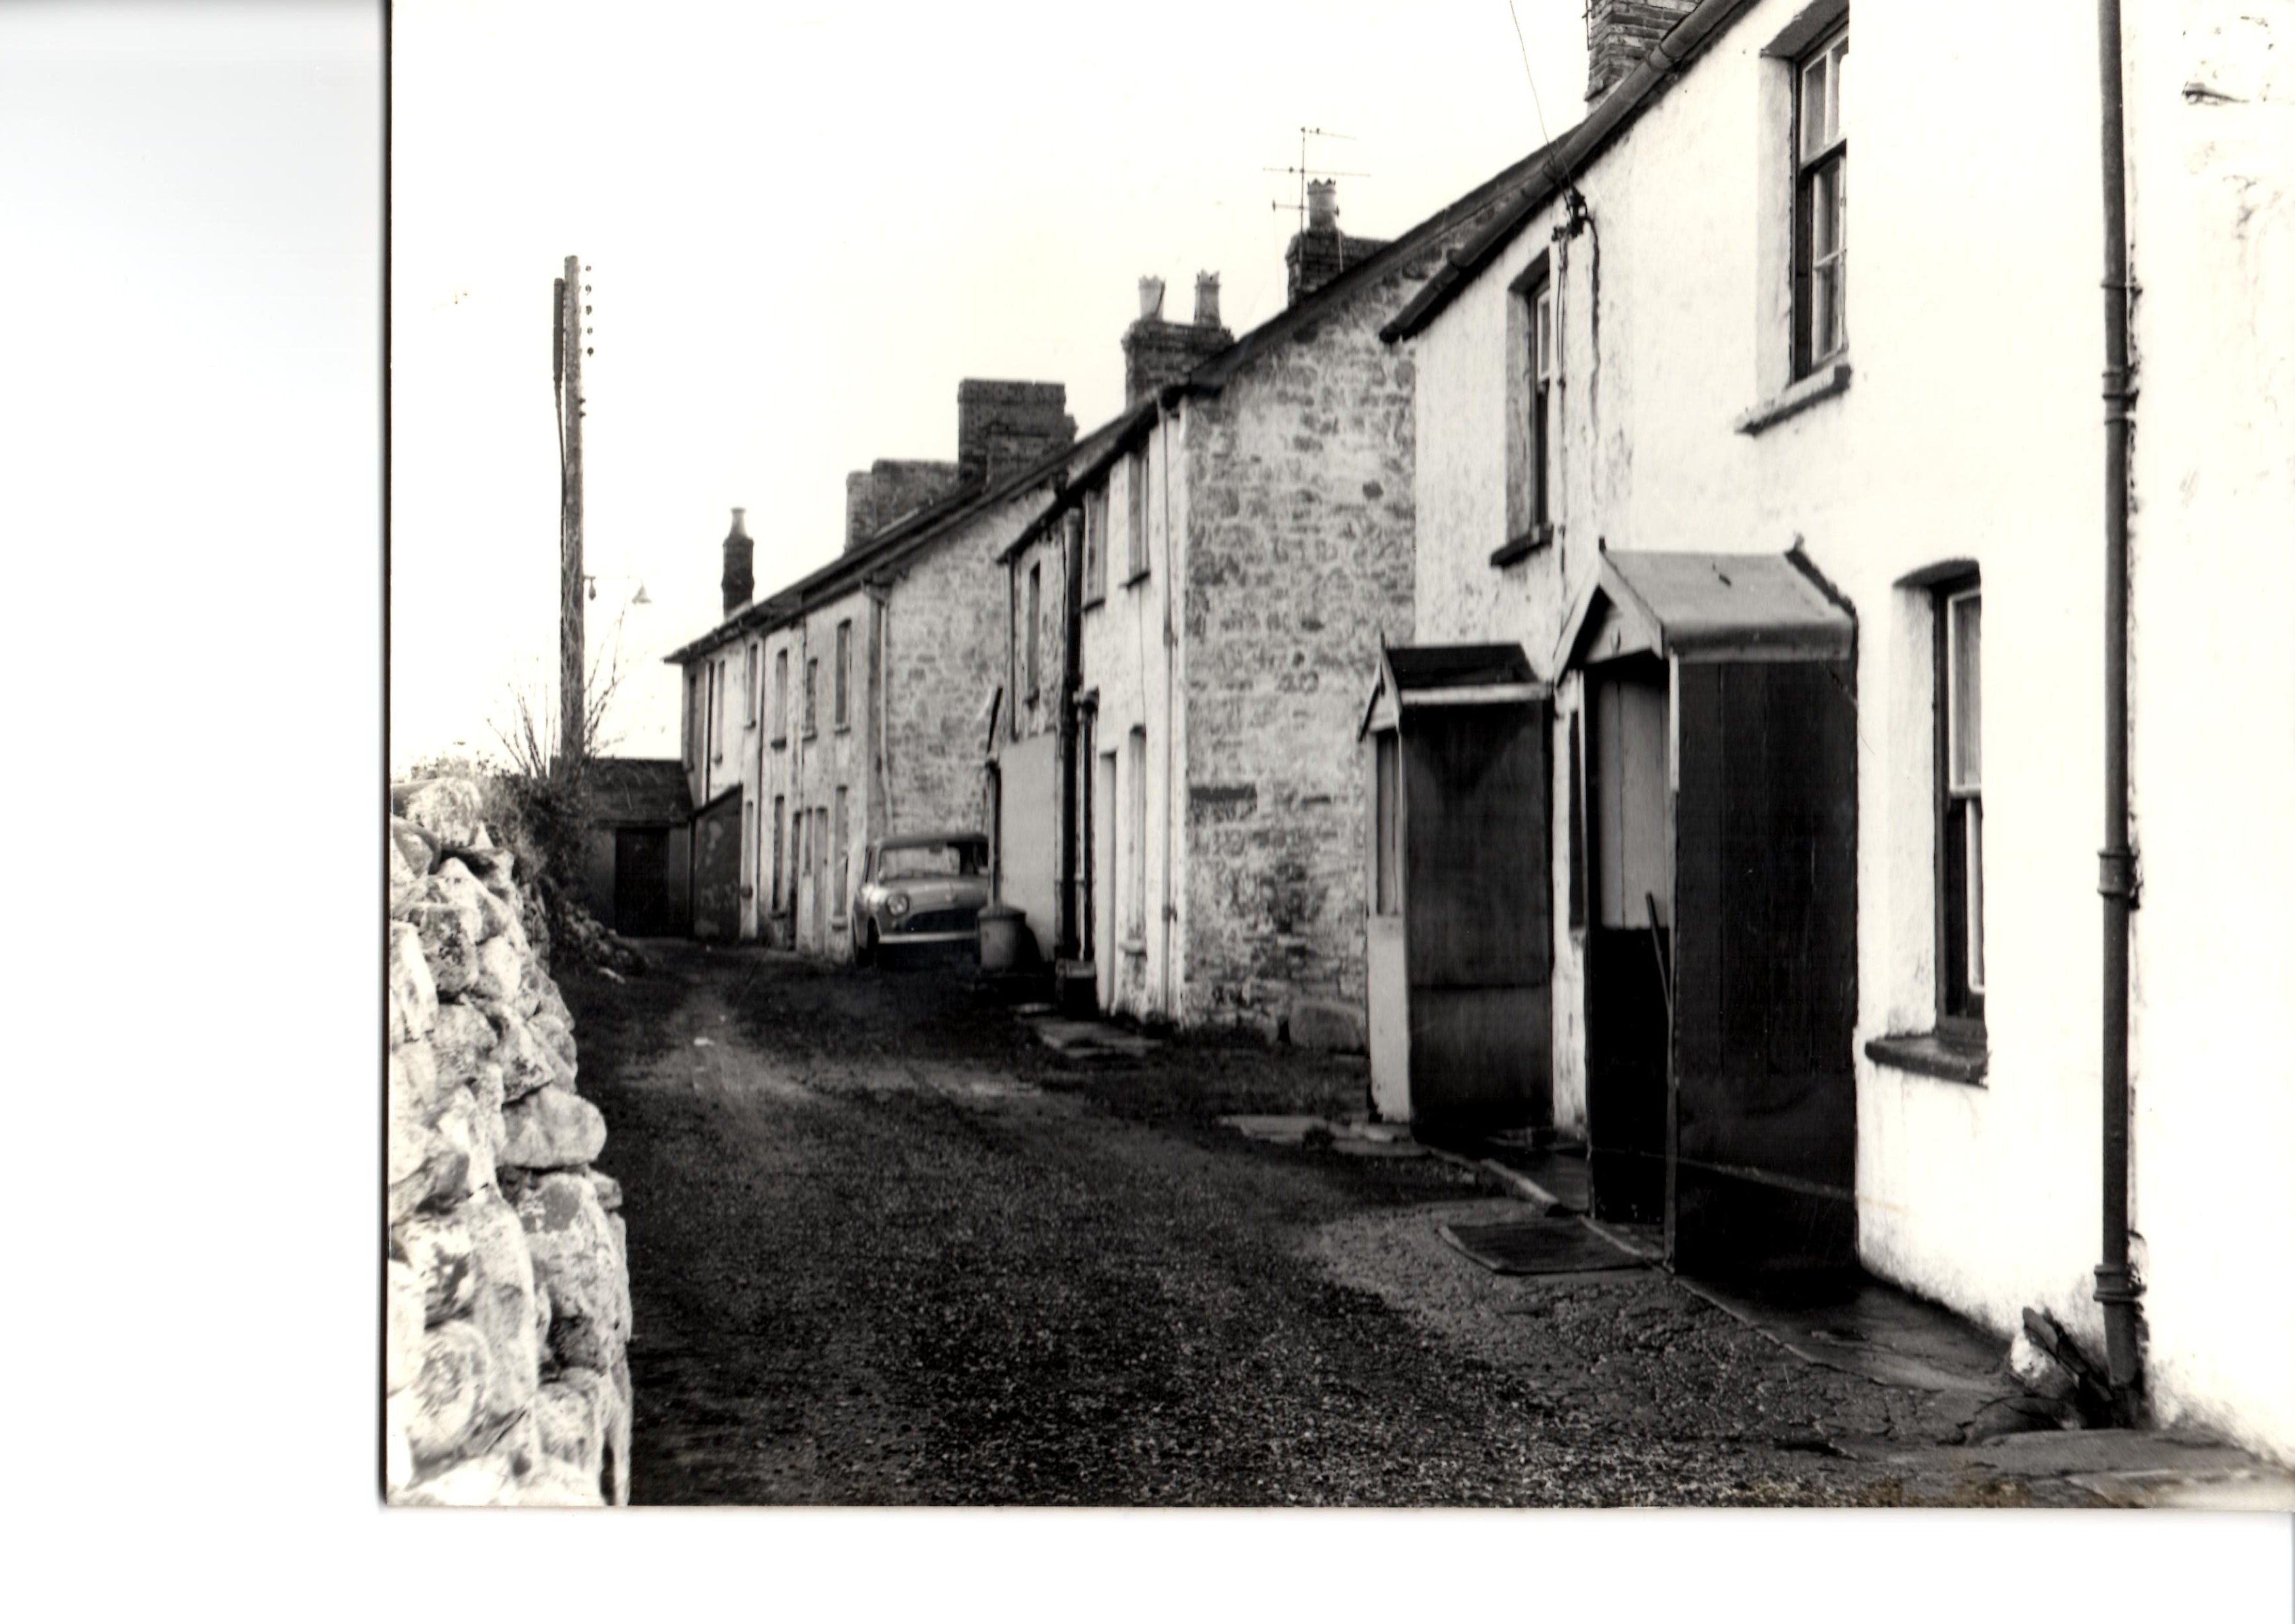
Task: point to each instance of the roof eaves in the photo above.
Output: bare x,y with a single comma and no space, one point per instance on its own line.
1122,433
1637,91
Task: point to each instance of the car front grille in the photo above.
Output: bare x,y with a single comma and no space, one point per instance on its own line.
938,921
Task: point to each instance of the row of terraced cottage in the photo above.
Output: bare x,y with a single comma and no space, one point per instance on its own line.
1580,654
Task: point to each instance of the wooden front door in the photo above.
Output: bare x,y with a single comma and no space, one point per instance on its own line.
641,882
1478,917
1630,892
1764,1156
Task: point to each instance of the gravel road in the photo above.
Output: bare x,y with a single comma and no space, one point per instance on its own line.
884,1249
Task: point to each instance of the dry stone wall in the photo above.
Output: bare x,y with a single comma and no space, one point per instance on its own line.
507,1301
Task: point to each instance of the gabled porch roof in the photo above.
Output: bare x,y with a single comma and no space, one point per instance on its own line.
1707,606
1448,674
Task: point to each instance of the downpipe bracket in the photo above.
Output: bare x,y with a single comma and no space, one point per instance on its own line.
2116,876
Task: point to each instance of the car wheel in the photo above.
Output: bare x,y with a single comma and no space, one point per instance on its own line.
868,945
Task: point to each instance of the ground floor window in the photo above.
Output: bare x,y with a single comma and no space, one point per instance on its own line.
1960,800
1135,836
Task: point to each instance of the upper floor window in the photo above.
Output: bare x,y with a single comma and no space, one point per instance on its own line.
812,695
1035,615
1960,802
1092,540
749,684
1820,205
843,674
780,695
1135,478
716,707
1541,426
1532,404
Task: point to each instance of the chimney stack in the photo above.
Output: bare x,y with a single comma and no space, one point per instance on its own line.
740,580
1157,352
1322,253
1003,427
1620,33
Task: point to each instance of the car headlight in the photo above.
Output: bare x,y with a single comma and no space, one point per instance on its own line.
897,903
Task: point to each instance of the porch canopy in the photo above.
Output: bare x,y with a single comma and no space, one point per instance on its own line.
1705,607
1448,674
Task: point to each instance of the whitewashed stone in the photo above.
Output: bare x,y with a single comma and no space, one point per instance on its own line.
572,1413
483,1482
449,808
463,1139
438,1247
450,1391
499,968
450,944
503,1300
486,1094
608,1189
416,847
550,1128
463,1039
526,1063
403,1324
554,1482
413,996
578,1262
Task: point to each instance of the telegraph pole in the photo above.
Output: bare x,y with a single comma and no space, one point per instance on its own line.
567,349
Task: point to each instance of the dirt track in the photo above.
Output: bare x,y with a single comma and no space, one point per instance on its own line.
884,1249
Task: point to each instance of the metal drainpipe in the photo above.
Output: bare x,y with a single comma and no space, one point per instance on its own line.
1068,933
2116,1286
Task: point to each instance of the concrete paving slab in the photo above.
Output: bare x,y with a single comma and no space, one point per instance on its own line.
1084,1039
1874,1331
1275,1129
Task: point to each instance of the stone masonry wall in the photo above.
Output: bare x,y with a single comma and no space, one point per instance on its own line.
948,635
507,1303
1299,561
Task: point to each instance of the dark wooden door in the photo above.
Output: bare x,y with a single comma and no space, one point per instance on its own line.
717,869
1764,1107
1478,920
1629,900
641,882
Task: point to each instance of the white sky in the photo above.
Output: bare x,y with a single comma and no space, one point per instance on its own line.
805,224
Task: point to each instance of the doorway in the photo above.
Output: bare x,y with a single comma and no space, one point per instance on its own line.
1628,935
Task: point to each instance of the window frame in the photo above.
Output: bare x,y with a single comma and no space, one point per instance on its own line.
812,695
841,843
1960,996
1135,851
716,705
749,652
844,679
780,695
1095,546
1032,670
1811,169
781,867
1136,556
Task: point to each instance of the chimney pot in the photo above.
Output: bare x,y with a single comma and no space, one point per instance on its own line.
1207,311
739,581
1322,206
1151,298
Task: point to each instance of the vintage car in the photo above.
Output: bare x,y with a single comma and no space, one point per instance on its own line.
919,894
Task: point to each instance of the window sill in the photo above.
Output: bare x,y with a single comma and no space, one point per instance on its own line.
781,743
844,727
1932,1054
1136,580
1030,696
1094,601
1830,379
1515,551
1135,947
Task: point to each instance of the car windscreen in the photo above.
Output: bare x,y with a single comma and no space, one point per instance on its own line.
936,861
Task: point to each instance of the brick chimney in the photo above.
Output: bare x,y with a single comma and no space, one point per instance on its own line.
1322,252
886,490
1157,352
1002,426
739,581
1620,33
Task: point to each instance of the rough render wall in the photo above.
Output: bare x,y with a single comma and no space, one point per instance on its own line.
807,771
507,1301
1984,1198
947,635
2210,134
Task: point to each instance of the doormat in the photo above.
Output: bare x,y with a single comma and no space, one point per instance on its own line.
1538,1247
